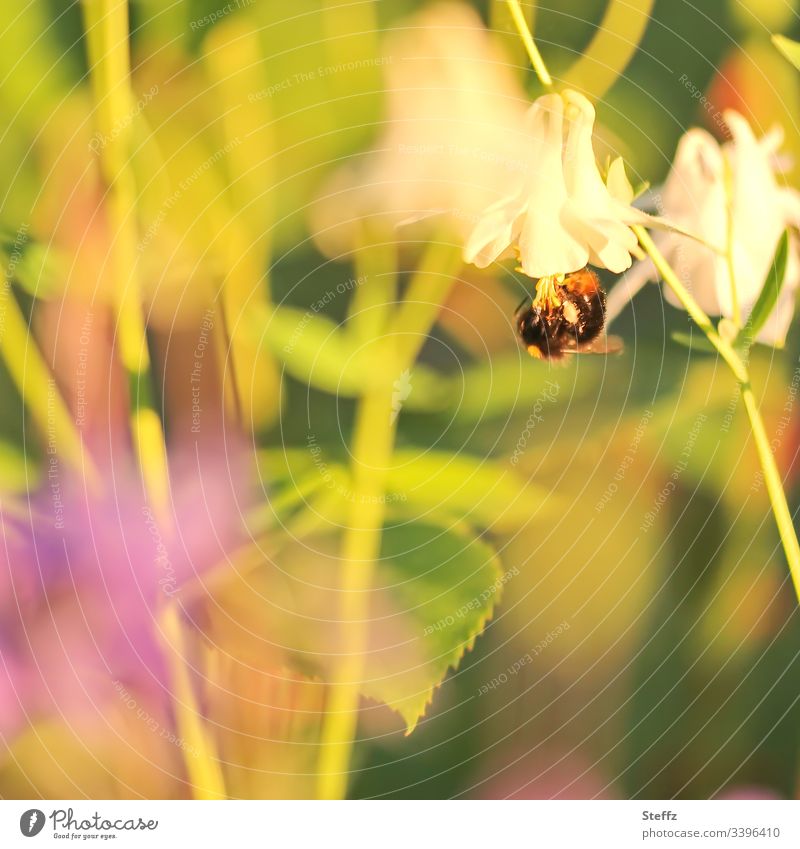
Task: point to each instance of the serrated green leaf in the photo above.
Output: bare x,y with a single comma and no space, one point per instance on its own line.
789,48
768,296
693,341
439,588
431,594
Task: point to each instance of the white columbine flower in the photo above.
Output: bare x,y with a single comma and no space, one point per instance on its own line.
710,189
560,215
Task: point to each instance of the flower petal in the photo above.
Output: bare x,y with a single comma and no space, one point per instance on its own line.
546,245
493,234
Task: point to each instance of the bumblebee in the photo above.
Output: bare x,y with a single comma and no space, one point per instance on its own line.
567,316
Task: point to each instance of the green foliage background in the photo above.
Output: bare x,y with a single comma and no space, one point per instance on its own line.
678,674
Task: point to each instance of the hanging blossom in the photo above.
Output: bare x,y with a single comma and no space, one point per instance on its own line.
84,574
715,190
562,215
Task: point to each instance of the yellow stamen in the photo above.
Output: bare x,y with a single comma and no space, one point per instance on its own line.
547,291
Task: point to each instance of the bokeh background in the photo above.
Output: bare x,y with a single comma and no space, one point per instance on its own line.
648,641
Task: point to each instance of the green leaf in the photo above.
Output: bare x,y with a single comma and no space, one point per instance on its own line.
693,341
17,472
315,349
488,493
37,269
432,591
438,588
768,296
789,48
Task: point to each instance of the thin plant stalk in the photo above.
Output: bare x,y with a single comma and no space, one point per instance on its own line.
769,468
530,45
371,451
107,39
372,448
36,384
775,490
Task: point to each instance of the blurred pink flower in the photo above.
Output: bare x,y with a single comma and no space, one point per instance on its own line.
82,578
453,142
748,791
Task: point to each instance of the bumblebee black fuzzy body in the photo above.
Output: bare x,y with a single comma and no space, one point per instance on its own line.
567,316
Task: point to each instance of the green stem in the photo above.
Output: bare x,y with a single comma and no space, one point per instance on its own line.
735,308
530,45
107,41
371,451
777,496
691,306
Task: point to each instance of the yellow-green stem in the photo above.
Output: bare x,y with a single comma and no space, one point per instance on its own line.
371,451
373,443
736,311
777,496
691,306
530,45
